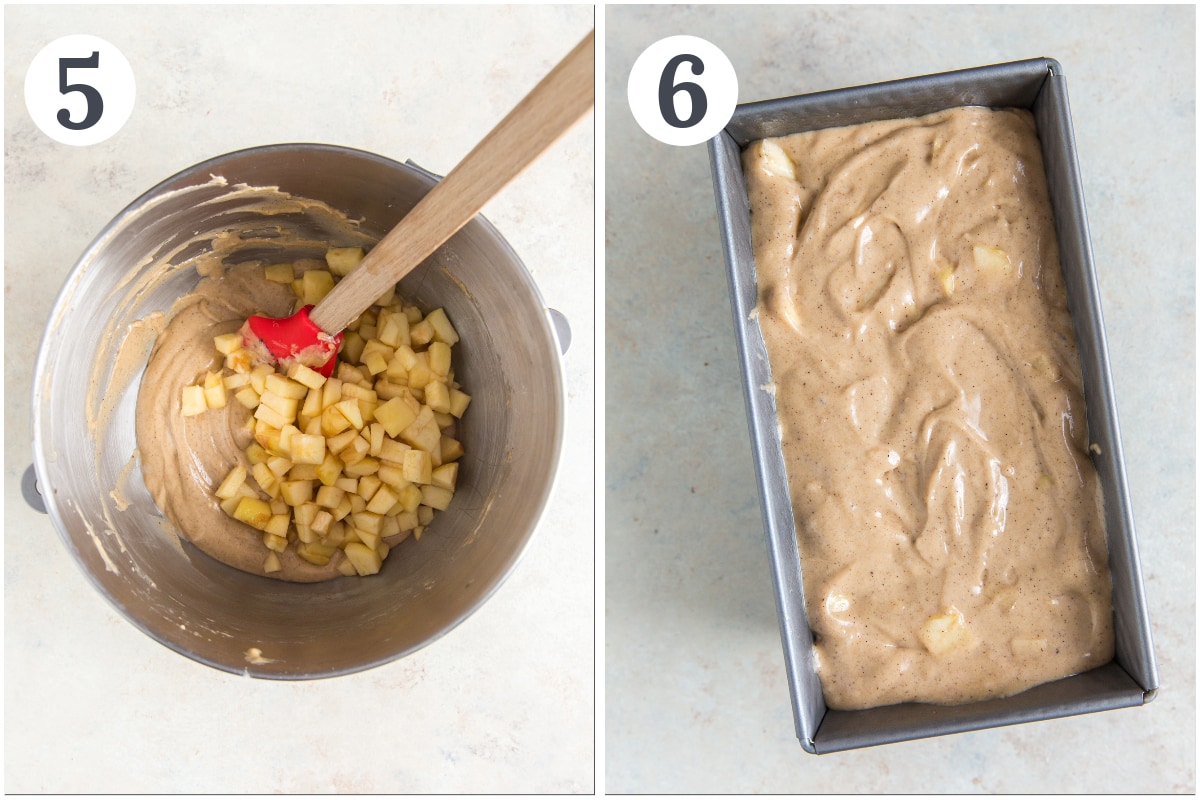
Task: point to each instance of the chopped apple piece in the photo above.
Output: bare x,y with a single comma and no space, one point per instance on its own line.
945,276
382,501
452,449
307,449
285,387
193,400
228,343
364,466
423,433
271,416
279,273
445,476
774,161
254,512
342,260
317,284
992,259
443,331
233,480
945,632
346,568
330,469
436,497
393,330
365,560
329,496
437,397
418,466
395,415
296,493
271,562
247,397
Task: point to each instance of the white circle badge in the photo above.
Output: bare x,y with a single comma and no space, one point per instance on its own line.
682,90
79,89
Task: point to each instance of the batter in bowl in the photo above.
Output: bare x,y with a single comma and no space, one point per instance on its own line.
184,458
929,400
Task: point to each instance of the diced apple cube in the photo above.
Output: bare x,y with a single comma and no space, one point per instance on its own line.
342,440
333,421
417,466
365,560
395,415
393,330
240,361
437,397
344,507
305,376
443,331
393,475
278,526
273,541
774,161
436,497
233,480
445,476
305,513
945,632
375,362
366,521
305,551
342,260
371,540
330,469
410,497
254,512
352,347
235,381
355,451
258,376
193,400
307,449
346,567
424,515
419,374
350,410
272,417
459,401
279,465
382,501
247,397
365,466
329,496
423,433
991,259
317,284
296,493
452,449
285,387
406,521
279,273
271,563
439,359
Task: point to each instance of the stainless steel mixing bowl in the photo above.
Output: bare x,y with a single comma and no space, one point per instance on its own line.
84,441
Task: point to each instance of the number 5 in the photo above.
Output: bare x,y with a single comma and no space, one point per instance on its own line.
95,103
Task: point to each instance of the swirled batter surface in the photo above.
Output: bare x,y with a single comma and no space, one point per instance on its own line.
185,458
929,400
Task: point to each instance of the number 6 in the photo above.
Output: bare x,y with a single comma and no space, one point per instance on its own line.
667,91
95,103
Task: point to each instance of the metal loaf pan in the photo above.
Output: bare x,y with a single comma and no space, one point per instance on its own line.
1131,679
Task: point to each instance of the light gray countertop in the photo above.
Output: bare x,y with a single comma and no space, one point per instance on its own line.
503,703
696,696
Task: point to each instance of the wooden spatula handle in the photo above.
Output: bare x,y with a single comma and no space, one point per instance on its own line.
538,121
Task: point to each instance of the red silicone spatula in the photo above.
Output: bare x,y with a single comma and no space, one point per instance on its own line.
313,335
